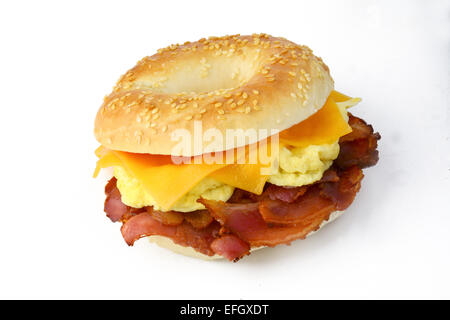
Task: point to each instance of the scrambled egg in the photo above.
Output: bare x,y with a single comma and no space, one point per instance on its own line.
298,167
302,166
135,195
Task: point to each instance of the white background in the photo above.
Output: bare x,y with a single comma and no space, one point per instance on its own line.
58,60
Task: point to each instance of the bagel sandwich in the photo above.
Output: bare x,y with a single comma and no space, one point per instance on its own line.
230,144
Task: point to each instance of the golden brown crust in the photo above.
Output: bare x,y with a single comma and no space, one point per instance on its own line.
231,82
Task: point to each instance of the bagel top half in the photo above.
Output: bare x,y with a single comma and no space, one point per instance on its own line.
231,82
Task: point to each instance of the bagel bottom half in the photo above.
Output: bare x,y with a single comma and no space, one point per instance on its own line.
167,243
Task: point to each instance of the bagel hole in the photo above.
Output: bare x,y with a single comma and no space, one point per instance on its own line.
205,75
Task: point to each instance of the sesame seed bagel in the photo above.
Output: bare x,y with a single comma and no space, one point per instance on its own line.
231,82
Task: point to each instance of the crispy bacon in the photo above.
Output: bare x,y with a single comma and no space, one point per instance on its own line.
279,212
143,224
360,129
199,239
285,194
343,192
329,176
358,148
111,185
169,218
248,224
230,247
199,219
114,207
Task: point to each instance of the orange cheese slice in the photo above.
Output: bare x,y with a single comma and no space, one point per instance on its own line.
248,176
325,126
336,96
167,182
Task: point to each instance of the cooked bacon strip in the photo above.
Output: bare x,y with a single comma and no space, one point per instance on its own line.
242,196
199,219
199,239
169,218
114,206
343,192
285,194
115,209
144,224
360,129
111,185
287,213
358,148
230,247
246,222
361,153
329,176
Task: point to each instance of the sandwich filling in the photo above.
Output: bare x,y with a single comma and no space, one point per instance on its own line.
214,217
279,215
